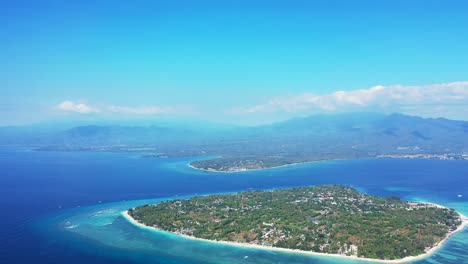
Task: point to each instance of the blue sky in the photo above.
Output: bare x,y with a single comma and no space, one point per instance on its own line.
243,62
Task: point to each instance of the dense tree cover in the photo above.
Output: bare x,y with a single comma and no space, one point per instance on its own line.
327,219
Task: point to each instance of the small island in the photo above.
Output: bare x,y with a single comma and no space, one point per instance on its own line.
328,219
247,163
239,164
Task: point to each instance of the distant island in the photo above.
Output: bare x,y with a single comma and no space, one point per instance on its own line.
239,164
328,219
298,140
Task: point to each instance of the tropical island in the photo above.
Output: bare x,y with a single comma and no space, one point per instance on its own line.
327,219
242,163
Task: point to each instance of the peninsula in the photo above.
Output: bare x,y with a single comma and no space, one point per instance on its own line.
327,219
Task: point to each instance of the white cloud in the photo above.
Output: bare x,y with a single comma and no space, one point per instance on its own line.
82,108
392,98
70,106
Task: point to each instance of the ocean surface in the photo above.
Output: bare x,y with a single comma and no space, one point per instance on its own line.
65,207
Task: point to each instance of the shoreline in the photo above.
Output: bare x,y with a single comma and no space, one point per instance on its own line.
297,251
266,168
189,164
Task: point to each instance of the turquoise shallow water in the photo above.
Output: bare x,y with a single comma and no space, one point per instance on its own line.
55,214
105,228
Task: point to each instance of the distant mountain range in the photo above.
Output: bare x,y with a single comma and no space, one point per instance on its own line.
352,135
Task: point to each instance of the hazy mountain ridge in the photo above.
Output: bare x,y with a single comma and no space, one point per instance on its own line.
352,135
346,137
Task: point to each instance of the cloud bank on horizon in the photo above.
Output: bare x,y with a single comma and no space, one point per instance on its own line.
437,100
76,107
85,108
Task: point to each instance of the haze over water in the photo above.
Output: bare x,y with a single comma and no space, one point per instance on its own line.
64,207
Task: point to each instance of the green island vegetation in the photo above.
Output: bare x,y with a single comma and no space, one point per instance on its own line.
236,164
243,163
326,219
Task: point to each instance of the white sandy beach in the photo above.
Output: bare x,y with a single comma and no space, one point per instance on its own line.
404,260
246,170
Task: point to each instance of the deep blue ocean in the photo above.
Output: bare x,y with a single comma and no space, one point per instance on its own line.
65,207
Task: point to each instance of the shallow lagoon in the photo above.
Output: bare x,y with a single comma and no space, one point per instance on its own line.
96,232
